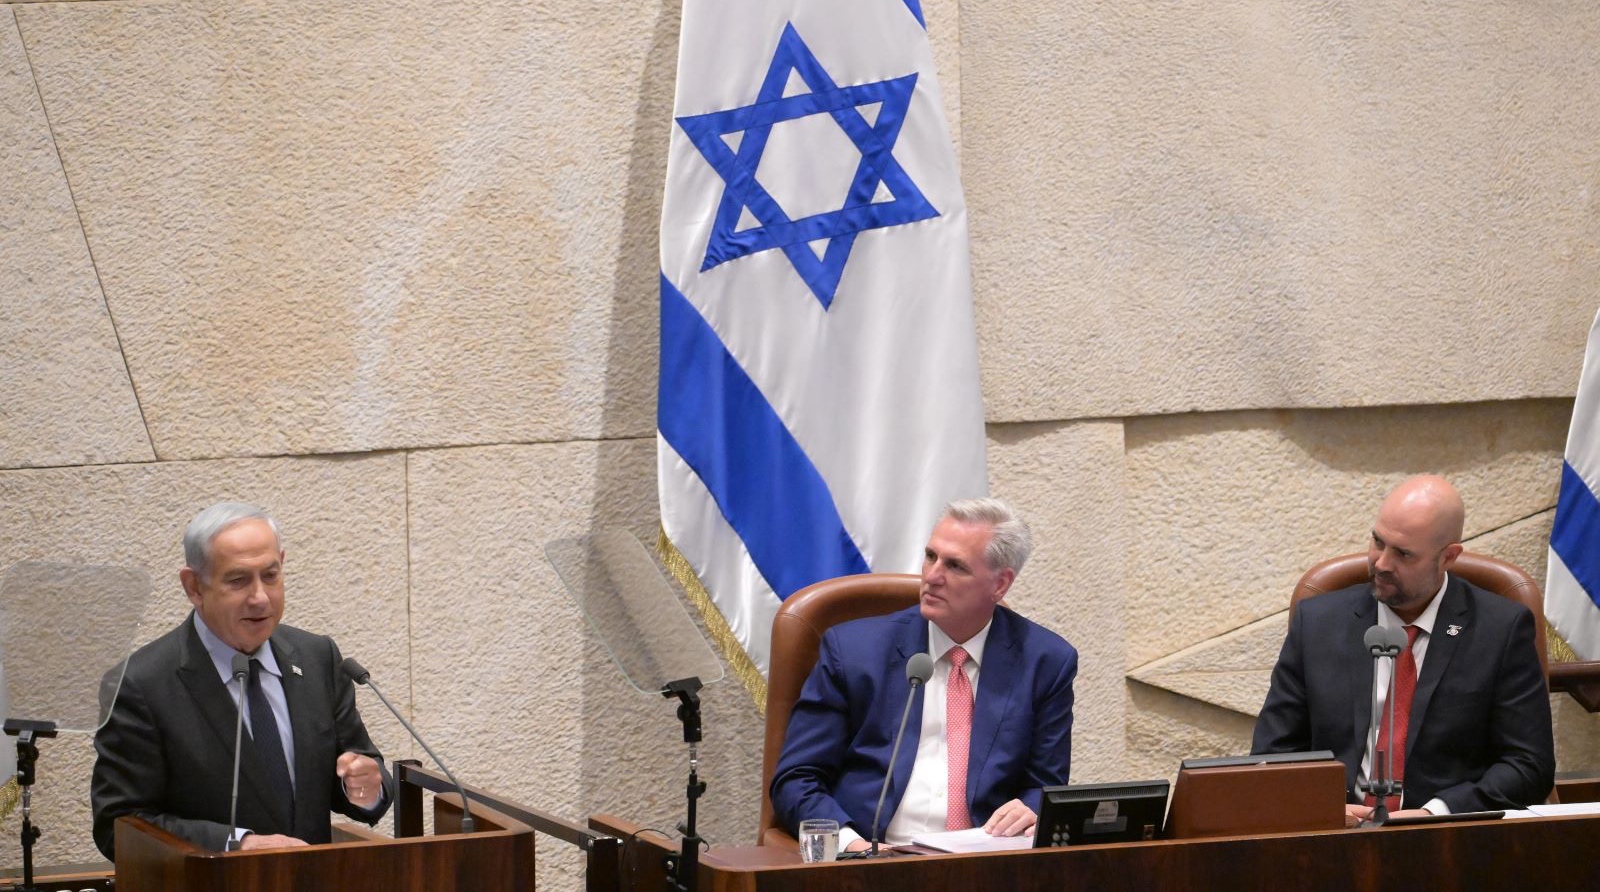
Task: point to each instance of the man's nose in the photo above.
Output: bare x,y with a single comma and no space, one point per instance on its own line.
258,591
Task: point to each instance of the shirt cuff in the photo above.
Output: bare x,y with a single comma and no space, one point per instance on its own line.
1436,807
848,835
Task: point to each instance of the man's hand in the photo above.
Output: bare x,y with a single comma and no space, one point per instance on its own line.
1355,814
1011,819
859,845
363,782
268,841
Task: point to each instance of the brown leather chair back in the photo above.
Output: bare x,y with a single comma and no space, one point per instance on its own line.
1490,574
797,637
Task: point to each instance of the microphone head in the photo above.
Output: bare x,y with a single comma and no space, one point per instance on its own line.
1386,642
1376,637
353,669
241,665
919,669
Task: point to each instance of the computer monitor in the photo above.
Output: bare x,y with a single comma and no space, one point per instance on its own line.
1088,814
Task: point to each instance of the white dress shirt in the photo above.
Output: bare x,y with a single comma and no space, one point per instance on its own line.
922,807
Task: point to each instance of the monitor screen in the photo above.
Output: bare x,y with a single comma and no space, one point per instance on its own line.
1087,814
1257,759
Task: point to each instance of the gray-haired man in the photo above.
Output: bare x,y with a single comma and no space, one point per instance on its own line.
166,752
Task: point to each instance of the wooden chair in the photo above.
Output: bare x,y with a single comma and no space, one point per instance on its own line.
1487,573
1580,679
796,638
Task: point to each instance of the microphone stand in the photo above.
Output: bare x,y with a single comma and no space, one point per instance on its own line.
27,733
241,671
683,869
1385,785
877,814
1382,784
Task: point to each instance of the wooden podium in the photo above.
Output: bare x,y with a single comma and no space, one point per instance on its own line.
497,858
1543,854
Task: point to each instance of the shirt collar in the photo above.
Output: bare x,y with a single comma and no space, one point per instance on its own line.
939,643
1390,620
221,652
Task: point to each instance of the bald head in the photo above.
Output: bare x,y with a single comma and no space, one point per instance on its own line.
1428,504
1415,540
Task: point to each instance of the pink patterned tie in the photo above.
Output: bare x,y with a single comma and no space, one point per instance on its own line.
958,738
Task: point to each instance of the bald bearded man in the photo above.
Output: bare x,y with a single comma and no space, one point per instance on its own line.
1480,731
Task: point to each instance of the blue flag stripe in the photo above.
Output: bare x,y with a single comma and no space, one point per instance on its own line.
1576,531
721,424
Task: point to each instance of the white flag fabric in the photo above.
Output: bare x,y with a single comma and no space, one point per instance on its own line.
819,397
1572,578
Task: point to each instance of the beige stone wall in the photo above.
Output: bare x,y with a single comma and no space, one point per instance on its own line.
389,269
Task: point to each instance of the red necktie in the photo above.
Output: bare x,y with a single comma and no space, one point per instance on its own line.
1405,685
958,738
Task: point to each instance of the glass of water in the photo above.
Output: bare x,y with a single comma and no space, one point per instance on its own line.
819,840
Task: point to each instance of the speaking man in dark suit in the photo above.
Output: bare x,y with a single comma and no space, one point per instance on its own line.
166,752
1479,732
989,729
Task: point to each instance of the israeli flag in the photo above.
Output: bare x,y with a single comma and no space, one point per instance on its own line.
1572,579
819,397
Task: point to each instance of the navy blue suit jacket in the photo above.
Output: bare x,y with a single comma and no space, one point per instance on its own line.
1480,733
836,751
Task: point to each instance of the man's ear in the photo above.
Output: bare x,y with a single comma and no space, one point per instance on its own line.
1004,579
190,580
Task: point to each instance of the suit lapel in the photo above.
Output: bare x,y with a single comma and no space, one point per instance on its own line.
912,638
1454,611
1001,667
1359,667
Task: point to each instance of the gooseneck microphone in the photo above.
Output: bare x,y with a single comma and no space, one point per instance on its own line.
241,671
918,670
361,676
1382,643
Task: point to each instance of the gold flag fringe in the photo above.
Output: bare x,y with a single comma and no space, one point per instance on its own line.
739,662
1559,650
10,795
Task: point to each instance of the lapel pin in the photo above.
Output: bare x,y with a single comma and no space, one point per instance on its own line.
1453,631
296,669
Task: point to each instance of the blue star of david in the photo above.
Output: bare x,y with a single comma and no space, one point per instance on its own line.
877,168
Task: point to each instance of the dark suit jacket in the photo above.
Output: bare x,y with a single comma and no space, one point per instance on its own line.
836,752
166,753
1480,734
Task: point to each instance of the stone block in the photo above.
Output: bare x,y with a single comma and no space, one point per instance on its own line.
367,225
1201,206
66,397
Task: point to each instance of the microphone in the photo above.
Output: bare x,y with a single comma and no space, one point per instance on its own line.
1382,643
918,670
361,676
241,671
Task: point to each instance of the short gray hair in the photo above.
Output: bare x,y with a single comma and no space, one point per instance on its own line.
211,522
1010,542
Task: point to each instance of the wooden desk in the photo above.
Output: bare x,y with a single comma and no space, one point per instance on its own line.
1540,854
